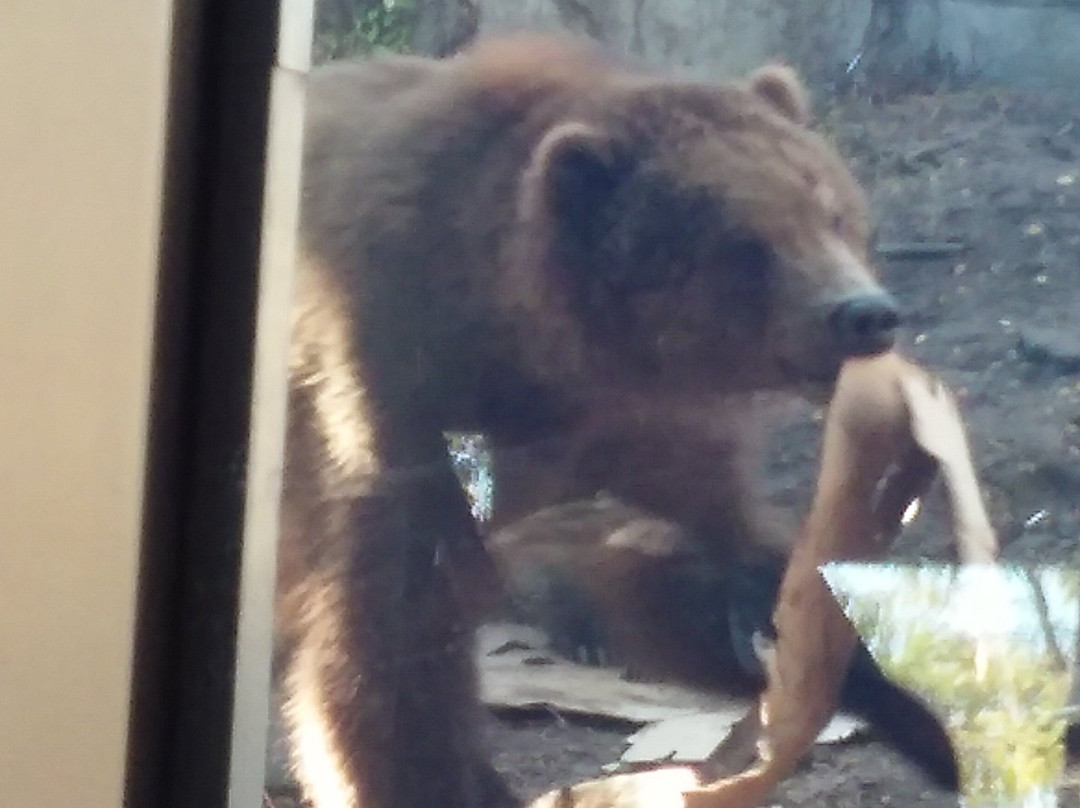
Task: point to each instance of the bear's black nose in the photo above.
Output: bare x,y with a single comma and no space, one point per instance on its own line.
866,324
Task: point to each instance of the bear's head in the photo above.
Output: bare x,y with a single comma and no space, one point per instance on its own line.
708,234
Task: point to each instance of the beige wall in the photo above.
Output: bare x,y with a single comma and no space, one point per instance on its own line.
82,99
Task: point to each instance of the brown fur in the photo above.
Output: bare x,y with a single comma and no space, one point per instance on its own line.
679,601
614,585
780,84
694,462
519,241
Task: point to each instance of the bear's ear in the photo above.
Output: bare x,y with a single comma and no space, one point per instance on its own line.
781,87
578,168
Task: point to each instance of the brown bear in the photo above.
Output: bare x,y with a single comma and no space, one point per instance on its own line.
513,242
613,585
690,459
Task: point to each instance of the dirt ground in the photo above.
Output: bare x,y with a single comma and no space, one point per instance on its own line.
996,175
995,179
538,754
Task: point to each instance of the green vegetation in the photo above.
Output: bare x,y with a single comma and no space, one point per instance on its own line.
472,462
351,28
996,666
1006,722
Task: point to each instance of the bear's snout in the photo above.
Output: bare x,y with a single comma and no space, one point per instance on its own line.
865,324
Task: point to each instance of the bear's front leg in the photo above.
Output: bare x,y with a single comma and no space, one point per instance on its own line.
381,690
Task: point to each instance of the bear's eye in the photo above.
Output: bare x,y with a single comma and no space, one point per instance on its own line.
748,253
838,223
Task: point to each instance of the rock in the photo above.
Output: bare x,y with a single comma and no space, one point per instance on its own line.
1052,348
705,39
906,43
441,27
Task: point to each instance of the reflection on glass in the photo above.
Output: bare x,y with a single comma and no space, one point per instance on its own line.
992,648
